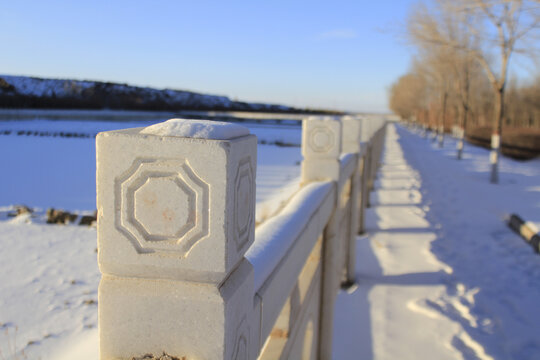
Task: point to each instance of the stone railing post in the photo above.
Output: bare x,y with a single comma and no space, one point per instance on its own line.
368,159
351,135
380,142
363,192
321,149
175,218
376,140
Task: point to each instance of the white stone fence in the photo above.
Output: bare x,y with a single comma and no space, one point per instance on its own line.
184,270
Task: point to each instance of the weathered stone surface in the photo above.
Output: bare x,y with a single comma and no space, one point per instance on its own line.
180,318
154,199
321,137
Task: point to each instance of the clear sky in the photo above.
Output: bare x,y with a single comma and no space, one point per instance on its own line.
323,54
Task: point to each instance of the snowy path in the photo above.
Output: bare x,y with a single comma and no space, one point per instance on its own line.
440,275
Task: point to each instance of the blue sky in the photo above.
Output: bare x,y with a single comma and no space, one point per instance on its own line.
340,54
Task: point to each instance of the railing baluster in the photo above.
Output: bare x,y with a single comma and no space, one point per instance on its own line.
321,148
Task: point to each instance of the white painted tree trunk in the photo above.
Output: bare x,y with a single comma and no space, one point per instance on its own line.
494,158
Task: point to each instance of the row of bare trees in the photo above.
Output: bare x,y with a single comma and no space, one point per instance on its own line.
460,72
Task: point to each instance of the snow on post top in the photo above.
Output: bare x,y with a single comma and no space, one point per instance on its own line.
198,129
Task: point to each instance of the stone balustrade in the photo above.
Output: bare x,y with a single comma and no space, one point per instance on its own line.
184,270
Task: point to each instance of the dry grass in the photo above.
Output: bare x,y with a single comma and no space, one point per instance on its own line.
12,351
517,143
164,356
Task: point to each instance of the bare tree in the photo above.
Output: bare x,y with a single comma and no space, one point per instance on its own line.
407,95
531,99
468,80
436,61
465,68
437,66
504,27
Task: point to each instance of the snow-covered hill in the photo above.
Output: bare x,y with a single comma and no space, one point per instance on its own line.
22,91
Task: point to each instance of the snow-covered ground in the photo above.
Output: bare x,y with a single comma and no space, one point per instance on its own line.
440,274
49,277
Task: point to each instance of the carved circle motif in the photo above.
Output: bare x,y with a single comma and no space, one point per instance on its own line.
162,205
243,202
321,139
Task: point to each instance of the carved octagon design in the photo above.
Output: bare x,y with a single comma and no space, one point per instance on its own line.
321,139
155,202
243,202
161,205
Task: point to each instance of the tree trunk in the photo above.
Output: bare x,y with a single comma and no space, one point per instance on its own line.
496,135
465,106
425,122
435,126
443,116
461,141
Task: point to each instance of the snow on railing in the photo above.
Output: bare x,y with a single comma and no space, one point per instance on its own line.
185,272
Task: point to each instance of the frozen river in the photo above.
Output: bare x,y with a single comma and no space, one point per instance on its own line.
50,156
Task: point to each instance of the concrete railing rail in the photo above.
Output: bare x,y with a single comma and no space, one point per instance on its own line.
184,270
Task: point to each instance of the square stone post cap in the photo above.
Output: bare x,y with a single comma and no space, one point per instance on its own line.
176,200
321,148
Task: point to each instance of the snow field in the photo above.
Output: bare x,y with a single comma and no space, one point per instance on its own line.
49,277
488,258
440,274
48,285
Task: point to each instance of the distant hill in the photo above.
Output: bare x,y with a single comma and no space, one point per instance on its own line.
31,92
